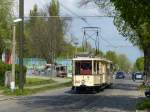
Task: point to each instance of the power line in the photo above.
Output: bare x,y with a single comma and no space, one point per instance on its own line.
82,18
69,16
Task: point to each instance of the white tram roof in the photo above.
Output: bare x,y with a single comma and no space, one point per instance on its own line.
91,58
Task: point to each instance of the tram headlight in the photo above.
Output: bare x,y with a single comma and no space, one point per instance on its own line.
83,82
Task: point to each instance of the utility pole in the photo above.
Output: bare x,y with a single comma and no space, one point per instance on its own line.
12,84
21,37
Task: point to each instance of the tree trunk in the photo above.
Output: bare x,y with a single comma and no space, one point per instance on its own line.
147,63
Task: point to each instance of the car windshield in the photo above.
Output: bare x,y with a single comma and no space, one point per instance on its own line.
138,73
119,73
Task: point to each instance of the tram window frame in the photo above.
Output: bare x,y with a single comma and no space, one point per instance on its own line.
77,68
96,67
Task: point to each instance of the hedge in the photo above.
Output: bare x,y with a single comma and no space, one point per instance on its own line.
7,67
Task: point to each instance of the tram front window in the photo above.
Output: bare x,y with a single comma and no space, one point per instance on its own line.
83,68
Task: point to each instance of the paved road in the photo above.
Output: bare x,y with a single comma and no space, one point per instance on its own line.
121,98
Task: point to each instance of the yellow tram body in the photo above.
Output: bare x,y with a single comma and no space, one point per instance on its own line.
91,72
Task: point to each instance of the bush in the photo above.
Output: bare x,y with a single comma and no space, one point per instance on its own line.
7,67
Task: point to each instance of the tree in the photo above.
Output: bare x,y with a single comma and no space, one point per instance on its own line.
56,30
132,19
139,64
124,63
112,56
120,61
134,24
5,20
46,35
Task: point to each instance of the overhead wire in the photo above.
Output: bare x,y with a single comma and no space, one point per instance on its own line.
83,18
86,21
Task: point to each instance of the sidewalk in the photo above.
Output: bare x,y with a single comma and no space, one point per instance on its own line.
4,98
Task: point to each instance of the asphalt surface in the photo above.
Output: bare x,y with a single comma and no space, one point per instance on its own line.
122,97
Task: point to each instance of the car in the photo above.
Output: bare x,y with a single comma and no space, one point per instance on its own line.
61,71
147,93
120,75
137,76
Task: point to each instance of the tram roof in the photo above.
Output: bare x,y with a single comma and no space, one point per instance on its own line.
91,58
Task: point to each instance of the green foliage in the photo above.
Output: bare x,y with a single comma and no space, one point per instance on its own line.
36,90
124,63
133,22
121,61
45,36
5,19
112,56
139,64
143,105
6,67
132,19
37,81
54,8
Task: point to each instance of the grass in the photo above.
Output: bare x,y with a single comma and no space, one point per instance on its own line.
37,81
35,90
144,104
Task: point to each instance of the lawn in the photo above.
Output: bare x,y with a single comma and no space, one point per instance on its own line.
35,90
38,81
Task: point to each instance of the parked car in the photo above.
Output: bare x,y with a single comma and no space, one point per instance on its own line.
61,71
120,75
137,76
147,93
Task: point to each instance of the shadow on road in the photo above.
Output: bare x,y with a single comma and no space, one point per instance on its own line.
124,86
92,102
68,101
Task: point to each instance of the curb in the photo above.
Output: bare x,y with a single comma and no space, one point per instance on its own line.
142,111
8,98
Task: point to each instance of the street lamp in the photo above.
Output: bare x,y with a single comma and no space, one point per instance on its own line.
12,84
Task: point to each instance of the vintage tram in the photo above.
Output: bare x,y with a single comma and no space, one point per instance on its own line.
91,73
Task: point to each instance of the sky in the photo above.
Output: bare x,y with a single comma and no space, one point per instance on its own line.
108,30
